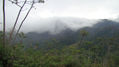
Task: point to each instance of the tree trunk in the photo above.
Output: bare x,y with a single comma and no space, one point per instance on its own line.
4,23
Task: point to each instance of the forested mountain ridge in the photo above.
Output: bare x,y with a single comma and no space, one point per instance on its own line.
104,28
59,33
96,46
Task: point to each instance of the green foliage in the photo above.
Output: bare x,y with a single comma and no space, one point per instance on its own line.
83,33
101,52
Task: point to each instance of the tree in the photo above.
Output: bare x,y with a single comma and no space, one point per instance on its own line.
110,43
4,22
3,44
18,3
83,33
21,4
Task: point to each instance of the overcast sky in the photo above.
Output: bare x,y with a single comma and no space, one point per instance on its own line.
89,9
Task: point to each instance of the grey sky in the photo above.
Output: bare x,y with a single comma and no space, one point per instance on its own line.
89,9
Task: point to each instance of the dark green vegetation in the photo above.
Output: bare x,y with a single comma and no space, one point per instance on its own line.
96,46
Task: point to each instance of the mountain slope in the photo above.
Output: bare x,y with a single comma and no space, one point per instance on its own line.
104,28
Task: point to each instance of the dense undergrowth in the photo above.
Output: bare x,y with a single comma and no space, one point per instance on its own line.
101,52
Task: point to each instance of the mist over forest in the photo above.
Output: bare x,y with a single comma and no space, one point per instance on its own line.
59,33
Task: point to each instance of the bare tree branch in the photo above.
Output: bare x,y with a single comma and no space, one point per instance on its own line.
18,3
14,3
24,20
10,38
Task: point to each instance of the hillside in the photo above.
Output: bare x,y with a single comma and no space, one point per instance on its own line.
96,46
104,28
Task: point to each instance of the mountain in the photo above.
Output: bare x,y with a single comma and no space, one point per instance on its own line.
104,28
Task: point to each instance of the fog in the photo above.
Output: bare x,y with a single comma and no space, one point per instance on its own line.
57,24
57,15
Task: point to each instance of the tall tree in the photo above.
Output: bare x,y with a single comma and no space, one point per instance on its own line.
83,34
18,3
4,22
